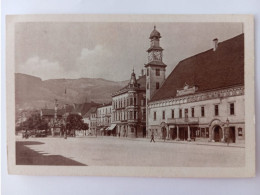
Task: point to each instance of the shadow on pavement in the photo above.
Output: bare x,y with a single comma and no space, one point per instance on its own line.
27,156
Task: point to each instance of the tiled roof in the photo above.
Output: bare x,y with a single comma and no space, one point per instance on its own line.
208,70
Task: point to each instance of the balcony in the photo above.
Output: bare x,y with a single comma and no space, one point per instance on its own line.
192,120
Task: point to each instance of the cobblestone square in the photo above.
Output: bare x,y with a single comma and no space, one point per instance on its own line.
114,151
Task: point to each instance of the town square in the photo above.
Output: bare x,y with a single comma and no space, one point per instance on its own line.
189,114
114,151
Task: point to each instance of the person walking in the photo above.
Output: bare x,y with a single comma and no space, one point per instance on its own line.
152,137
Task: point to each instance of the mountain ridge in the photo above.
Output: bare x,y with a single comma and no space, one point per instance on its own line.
32,92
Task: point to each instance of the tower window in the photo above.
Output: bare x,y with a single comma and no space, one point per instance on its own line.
186,112
180,113
232,108
192,112
157,72
147,72
172,113
163,114
216,110
202,111
147,86
154,116
157,85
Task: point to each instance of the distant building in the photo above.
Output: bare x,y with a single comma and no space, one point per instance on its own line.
202,98
49,114
128,108
93,121
90,120
104,119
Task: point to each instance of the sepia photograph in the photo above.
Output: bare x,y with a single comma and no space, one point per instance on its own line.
162,96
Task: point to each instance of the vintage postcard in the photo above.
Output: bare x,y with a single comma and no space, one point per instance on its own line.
131,95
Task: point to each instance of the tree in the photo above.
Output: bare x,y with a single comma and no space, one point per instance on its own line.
34,122
85,126
74,121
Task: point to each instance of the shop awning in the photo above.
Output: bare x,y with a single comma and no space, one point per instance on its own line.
111,127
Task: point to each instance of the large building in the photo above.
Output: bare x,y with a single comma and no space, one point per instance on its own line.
202,98
128,108
104,119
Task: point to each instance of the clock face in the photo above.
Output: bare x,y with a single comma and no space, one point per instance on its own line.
150,57
157,55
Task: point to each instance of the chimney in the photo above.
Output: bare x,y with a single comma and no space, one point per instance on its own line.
215,44
142,72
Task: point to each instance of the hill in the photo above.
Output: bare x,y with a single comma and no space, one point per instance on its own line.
33,92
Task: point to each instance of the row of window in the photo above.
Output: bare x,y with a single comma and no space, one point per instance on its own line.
157,72
202,111
127,102
92,124
157,85
104,111
130,115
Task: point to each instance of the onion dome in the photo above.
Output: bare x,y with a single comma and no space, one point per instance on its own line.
155,33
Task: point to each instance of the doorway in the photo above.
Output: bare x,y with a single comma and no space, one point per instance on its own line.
173,132
232,134
217,133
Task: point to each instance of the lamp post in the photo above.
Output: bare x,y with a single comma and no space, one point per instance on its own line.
227,123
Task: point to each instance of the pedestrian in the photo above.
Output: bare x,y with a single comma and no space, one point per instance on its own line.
152,137
119,134
228,140
65,134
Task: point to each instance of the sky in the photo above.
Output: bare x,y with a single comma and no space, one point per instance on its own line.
53,50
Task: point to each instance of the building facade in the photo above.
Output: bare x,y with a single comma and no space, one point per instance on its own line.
93,121
129,108
104,113
202,98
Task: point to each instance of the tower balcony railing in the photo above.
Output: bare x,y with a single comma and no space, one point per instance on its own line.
185,120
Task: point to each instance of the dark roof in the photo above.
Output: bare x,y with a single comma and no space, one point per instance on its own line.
84,108
208,70
155,33
104,105
156,63
154,48
142,81
141,86
90,111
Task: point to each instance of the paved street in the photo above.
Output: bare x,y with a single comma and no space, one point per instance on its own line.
126,152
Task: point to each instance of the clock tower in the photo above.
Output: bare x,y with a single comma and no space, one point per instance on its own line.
155,68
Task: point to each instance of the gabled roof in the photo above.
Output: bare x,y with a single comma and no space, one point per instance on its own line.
208,70
90,111
84,108
141,81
